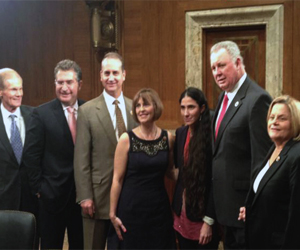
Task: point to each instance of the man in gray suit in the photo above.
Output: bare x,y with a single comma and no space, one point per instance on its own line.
97,137
14,188
240,137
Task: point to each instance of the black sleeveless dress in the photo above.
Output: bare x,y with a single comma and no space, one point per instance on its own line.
143,206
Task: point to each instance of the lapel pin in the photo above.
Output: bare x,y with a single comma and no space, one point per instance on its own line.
278,158
236,104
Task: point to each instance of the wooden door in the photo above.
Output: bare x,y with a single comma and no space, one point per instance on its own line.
252,43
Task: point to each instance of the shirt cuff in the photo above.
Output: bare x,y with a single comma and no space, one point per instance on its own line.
209,221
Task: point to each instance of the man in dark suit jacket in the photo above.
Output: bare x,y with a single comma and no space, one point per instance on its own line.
48,158
240,140
14,188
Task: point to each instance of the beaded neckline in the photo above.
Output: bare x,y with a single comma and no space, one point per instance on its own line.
151,147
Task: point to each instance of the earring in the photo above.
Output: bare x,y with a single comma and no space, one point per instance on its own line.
200,118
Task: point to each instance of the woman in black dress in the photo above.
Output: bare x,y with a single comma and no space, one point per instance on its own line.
139,209
192,202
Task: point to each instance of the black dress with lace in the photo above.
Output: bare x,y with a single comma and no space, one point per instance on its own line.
143,206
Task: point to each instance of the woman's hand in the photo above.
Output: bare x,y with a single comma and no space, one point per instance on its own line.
118,225
242,214
205,234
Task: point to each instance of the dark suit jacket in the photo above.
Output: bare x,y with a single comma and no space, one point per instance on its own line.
48,156
180,140
12,182
240,147
273,213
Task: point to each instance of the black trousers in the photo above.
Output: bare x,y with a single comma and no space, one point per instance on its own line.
53,226
185,244
234,237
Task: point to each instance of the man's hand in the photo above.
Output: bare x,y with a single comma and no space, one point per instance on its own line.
88,207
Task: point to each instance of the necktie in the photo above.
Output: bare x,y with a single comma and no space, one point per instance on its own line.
119,119
72,122
223,111
15,139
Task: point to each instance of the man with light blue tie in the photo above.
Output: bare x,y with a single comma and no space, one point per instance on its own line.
14,189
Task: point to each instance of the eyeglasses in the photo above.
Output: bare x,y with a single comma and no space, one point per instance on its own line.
69,83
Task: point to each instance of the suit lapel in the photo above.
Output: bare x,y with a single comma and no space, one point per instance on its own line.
26,115
105,119
61,119
130,121
216,116
233,108
274,168
181,143
3,137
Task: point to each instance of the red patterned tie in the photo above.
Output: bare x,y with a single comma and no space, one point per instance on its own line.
223,111
72,122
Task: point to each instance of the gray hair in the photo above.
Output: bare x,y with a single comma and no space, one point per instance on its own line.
66,65
231,47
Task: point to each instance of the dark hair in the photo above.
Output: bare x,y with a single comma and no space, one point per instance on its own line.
149,96
66,65
197,173
114,55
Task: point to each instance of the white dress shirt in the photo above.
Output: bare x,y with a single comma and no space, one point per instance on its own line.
260,176
75,106
231,95
109,100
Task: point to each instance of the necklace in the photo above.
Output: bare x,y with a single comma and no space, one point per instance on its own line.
149,137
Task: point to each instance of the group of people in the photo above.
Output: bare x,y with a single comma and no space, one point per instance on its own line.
97,168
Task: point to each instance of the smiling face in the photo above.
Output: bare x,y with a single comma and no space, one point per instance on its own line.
279,124
190,110
112,76
225,71
67,87
144,111
12,93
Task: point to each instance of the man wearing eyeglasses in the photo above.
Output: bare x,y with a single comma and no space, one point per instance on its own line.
48,160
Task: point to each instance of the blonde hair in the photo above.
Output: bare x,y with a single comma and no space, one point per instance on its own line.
294,108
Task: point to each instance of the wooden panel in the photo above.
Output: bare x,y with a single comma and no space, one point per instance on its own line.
296,52
150,45
35,35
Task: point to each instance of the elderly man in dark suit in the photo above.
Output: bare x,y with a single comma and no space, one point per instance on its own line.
48,159
240,140
14,117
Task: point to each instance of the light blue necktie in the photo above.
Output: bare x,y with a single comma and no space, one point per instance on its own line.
15,139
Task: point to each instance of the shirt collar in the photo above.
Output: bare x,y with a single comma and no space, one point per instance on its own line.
6,113
236,88
110,99
75,106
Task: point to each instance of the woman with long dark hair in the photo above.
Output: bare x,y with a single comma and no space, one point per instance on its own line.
192,204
